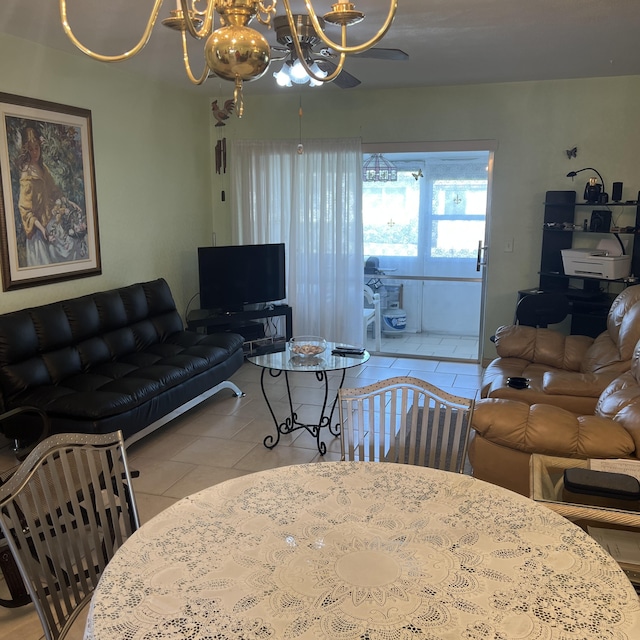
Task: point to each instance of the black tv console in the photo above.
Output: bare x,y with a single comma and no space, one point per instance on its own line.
238,320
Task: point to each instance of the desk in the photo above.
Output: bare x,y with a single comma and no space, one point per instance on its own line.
284,362
354,550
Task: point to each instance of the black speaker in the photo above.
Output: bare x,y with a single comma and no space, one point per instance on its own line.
600,221
616,193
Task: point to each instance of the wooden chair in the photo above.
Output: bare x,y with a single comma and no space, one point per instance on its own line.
64,513
405,420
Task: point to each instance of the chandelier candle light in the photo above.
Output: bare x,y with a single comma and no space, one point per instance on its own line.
236,52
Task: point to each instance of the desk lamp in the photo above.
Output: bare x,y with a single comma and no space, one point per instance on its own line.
594,193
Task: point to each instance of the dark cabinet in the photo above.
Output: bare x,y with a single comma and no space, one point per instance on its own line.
590,297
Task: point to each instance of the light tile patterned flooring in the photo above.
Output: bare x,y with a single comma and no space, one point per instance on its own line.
428,345
223,438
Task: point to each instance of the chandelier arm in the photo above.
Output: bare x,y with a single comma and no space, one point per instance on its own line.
329,77
207,21
269,11
119,57
341,48
187,66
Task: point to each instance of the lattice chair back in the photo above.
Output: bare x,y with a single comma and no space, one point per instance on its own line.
64,513
405,420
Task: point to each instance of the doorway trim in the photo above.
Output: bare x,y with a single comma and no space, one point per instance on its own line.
488,145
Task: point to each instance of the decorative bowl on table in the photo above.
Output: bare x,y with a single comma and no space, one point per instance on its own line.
307,346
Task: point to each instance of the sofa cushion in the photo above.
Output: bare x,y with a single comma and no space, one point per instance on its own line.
119,385
494,385
542,346
550,430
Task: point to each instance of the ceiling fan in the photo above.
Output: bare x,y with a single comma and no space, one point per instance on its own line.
321,58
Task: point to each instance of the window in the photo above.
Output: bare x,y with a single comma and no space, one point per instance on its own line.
391,215
457,218
435,210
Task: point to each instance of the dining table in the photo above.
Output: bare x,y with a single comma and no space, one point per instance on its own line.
361,551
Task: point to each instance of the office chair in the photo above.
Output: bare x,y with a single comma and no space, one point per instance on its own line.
542,309
405,420
64,513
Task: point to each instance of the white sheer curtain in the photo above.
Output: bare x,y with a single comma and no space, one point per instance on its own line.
312,202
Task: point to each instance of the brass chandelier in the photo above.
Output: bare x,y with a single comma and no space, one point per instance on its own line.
234,51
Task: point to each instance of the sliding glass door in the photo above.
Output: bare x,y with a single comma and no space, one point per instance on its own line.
424,240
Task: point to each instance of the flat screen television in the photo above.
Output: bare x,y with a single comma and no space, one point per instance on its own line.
234,276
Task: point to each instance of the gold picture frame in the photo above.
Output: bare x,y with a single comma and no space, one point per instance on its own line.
48,211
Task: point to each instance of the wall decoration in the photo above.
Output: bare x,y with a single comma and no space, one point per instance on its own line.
48,213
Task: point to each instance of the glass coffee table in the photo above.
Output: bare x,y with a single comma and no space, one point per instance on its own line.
284,362
547,487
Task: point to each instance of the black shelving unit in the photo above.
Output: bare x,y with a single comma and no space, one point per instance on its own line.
244,323
589,304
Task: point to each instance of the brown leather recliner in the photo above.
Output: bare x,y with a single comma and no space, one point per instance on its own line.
507,432
566,371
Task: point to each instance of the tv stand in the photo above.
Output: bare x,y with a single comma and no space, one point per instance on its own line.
236,321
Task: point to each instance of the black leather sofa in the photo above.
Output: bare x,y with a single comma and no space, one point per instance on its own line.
117,359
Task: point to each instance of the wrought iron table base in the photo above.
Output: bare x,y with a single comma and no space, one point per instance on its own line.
291,423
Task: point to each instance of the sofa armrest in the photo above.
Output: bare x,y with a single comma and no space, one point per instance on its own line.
542,346
550,430
571,383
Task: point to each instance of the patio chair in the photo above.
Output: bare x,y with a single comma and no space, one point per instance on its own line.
373,315
14,424
405,420
64,513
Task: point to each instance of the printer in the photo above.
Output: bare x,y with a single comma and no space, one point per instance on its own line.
605,262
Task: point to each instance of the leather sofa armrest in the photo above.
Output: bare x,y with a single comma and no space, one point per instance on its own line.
550,430
571,383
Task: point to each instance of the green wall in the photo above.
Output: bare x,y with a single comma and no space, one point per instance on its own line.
532,123
157,200
152,165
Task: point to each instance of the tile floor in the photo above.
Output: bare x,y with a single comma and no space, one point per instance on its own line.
428,345
223,438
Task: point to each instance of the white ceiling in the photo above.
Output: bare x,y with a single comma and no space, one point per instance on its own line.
449,42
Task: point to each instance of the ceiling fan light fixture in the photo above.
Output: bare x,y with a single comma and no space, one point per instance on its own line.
378,169
298,74
283,77
318,72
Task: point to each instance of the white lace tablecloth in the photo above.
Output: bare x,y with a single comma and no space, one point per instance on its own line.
361,551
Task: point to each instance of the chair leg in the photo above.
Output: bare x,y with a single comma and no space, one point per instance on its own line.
12,577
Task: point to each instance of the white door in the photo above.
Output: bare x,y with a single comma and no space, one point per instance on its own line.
422,235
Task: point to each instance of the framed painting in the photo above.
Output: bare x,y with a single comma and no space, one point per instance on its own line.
48,213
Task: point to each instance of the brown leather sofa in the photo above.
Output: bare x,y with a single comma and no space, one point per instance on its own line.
507,432
566,371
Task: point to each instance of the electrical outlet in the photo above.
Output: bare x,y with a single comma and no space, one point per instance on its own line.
508,246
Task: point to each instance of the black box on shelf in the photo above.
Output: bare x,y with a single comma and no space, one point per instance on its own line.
600,221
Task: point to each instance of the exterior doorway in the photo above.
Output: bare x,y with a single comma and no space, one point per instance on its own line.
425,239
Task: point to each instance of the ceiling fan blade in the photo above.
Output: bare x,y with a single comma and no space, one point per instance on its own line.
383,54
344,80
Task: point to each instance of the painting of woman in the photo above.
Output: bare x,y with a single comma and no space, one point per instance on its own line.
48,210
44,208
